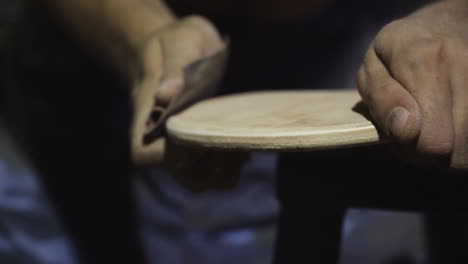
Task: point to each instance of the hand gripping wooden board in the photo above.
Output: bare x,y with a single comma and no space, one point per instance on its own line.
301,120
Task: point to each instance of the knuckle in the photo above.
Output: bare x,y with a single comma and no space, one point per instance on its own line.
388,29
456,49
439,148
206,30
369,56
413,48
361,79
432,46
373,95
387,33
195,20
435,145
200,23
423,52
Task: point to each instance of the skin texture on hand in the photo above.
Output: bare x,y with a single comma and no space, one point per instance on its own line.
414,80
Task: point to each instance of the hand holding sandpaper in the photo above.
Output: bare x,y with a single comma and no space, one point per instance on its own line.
184,64
171,62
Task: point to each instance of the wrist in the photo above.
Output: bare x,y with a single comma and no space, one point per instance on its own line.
145,19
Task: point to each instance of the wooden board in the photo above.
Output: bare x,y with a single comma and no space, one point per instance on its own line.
276,120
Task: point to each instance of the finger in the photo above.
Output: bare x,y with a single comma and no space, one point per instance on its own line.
213,42
420,69
459,82
144,121
191,39
164,61
392,107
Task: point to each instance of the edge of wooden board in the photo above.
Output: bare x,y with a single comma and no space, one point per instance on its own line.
301,141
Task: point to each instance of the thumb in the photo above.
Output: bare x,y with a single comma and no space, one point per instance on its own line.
393,108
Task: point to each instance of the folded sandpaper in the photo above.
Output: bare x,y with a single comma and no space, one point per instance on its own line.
202,79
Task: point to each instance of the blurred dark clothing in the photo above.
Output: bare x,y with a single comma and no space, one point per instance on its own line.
70,116
216,227
367,177
31,231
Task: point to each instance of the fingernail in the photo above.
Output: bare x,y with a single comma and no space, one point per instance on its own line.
396,121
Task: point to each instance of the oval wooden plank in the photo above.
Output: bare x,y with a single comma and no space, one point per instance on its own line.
304,120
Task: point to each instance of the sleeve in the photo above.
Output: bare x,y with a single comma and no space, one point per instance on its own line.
30,228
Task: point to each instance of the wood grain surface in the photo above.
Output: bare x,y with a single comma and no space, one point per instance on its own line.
300,120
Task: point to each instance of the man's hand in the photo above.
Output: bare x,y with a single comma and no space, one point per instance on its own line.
415,81
161,62
149,46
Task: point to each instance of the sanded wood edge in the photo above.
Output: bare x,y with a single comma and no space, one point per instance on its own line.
360,136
